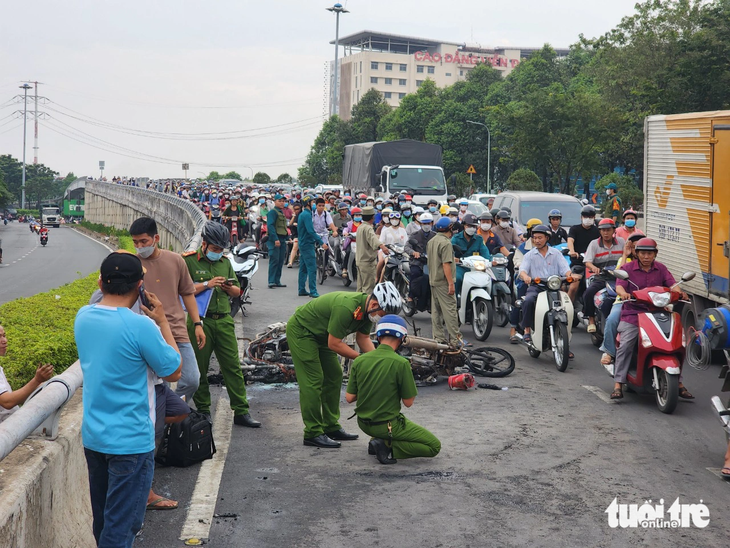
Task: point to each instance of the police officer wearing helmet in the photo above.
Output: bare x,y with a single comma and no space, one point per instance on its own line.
441,274
466,244
211,271
541,262
558,234
379,381
315,335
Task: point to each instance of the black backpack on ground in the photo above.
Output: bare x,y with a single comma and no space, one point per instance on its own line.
187,442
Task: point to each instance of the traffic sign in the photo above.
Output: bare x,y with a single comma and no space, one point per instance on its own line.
471,170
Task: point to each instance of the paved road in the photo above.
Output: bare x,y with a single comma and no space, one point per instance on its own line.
29,268
536,465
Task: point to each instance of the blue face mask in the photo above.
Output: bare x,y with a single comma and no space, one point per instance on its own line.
362,202
379,206
406,213
631,223
262,201
432,209
213,257
357,219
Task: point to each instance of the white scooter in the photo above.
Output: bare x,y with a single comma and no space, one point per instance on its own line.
476,306
553,322
245,262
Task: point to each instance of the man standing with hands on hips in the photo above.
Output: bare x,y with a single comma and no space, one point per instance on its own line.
366,255
276,230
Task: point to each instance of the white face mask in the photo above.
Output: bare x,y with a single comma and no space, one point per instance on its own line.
486,226
587,222
454,218
470,230
608,193
145,252
426,227
464,208
504,224
374,318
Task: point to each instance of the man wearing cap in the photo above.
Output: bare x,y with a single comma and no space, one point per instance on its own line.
366,255
118,431
211,271
602,254
433,209
441,272
276,230
613,208
379,381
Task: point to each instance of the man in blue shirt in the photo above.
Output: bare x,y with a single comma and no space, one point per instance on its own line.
542,261
307,260
469,244
120,352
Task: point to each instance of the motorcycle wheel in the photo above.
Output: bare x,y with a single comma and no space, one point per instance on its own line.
490,362
597,336
501,310
667,394
561,353
234,241
346,281
235,306
481,323
534,352
409,308
321,274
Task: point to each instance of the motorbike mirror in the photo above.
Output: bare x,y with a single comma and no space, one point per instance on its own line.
687,276
565,251
620,274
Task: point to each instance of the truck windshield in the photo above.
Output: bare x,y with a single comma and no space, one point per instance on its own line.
418,180
50,211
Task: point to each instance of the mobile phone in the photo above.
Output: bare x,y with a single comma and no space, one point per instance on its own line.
230,281
143,297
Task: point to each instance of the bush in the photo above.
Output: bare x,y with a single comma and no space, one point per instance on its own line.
524,179
125,240
630,194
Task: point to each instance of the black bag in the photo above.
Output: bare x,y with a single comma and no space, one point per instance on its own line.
187,442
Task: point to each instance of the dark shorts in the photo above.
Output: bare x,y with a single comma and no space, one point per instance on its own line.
168,404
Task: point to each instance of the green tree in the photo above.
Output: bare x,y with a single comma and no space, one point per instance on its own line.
5,195
69,178
629,192
460,184
524,179
13,172
325,156
261,178
366,116
307,181
412,117
214,176
284,179
232,175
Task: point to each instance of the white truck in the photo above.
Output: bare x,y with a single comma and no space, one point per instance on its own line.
51,216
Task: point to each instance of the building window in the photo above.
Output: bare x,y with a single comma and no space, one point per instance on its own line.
402,82
354,68
358,95
403,67
388,81
448,74
373,65
388,66
418,83
387,95
419,69
461,73
431,70
360,67
373,79
355,81
401,95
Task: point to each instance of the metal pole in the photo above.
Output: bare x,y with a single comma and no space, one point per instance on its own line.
489,160
35,139
25,88
337,74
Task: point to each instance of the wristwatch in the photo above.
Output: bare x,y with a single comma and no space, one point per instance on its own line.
200,323
205,283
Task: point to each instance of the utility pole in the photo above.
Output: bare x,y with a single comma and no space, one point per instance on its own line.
35,138
489,153
337,9
25,88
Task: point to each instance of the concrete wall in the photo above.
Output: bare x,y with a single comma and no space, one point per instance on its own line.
179,222
44,490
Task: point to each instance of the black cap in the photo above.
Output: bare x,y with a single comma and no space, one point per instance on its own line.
121,268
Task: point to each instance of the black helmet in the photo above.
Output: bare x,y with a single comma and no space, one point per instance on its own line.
588,211
469,219
541,229
503,214
486,216
494,212
216,234
555,213
451,197
508,210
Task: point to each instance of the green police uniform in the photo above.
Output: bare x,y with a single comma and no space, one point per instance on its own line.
318,370
614,209
443,306
381,379
220,335
366,258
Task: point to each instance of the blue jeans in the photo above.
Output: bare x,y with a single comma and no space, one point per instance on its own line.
190,375
307,269
277,255
609,330
119,486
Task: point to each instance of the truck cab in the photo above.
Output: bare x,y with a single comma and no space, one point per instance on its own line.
423,183
50,216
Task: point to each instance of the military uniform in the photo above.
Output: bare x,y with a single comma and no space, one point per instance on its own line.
381,379
220,336
443,305
366,258
318,369
276,229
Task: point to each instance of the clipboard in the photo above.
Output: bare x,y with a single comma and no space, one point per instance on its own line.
203,300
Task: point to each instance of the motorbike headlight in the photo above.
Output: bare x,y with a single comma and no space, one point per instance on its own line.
645,340
660,300
553,283
480,265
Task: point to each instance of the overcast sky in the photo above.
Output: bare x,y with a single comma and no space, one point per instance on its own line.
151,66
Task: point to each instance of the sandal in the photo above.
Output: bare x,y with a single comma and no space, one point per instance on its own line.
514,339
725,472
158,504
571,356
606,359
591,328
617,394
527,338
685,394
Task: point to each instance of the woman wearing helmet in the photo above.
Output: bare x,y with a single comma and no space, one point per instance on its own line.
558,235
315,336
379,381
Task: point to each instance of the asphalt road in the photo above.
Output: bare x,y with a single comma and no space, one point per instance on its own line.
29,268
535,465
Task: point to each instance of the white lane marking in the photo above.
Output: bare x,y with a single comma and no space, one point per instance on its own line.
205,495
600,393
717,471
93,240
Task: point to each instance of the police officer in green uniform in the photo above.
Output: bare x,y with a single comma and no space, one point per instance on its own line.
210,272
315,336
379,381
440,254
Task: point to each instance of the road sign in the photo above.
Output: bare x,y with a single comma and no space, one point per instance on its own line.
471,170
101,164
186,167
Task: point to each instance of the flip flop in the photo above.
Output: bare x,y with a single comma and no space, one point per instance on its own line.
155,504
606,359
725,472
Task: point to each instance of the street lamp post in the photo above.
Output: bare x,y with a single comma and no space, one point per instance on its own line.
25,88
337,9
489,153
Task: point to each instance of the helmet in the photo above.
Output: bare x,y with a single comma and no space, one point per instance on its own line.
486,216
453,211
541,229
646,244
463,201
216,234
494,212
386,211
342,205
408,197
388,297
363,196
356,210
393,326
444,210
450,197
629,212
443,224
606,223
555,213
469,219
532,223
432,201
426,218
588,211
508,210
418,210
584,201
503,214
378,199
307,201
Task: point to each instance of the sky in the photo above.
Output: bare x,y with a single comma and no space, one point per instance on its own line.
127,82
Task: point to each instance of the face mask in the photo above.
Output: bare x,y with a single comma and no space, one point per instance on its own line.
379,207
362,202
486,226
374,318
213,257
630,223
608,193
587,222
450,203
358,219
463,208
370,204
395,222
145,252
262,202
432,209
426,227
470,230
504,224
454,218
406,213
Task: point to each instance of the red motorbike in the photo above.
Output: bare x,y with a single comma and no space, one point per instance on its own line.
657,365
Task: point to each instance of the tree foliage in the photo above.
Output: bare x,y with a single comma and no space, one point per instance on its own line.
284,179
630,194
261,178
524,179
233,175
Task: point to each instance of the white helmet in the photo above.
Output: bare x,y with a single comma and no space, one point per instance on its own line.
388,297
418,210
425,218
